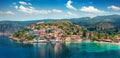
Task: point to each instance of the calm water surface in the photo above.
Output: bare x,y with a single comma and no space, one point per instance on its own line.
10,49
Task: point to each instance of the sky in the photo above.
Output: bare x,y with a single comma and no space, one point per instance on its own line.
23,10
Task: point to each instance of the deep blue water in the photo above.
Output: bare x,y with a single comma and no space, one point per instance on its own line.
11,49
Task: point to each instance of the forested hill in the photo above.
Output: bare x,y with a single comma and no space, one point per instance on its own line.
96,23
13,26
87,21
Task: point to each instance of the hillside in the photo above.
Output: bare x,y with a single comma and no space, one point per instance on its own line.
55,30
6,27
109,21
14,26
99,27
87,21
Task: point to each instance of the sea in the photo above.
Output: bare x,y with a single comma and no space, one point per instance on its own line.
12,49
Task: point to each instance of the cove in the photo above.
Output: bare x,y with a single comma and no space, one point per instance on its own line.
11,49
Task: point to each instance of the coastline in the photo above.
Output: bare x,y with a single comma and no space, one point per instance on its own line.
41,41
56,41
108,42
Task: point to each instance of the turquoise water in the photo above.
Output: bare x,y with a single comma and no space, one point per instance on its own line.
11,49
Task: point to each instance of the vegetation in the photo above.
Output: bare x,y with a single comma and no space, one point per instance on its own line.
99,27
65,28
68,27
23,35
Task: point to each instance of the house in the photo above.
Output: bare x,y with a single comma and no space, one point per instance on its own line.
75,37
117,39
31,26
41,32
67,38
58,38
39,23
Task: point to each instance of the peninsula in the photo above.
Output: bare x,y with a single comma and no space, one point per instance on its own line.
59,31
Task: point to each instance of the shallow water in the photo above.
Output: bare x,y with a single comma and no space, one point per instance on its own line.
11,49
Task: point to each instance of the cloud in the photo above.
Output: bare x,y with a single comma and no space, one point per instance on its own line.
69,6
31,7
30,10
57,11
70,14
22,3
91,9
26,7
116,8
16,7
7,12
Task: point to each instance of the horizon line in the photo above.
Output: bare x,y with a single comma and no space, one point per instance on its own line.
59,19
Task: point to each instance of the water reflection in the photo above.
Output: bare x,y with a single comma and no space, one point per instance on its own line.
11,49
52,50
63,50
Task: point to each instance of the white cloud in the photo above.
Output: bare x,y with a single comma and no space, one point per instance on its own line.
16,7
22,3
28,9
32,10
91,9
57,11
116,8
31,7
7,12
69,6
43,11
24,9
70,14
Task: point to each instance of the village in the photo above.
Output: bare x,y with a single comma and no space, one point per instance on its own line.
51,33
44,32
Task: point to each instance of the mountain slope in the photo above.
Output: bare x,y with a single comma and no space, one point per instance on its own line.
109,21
